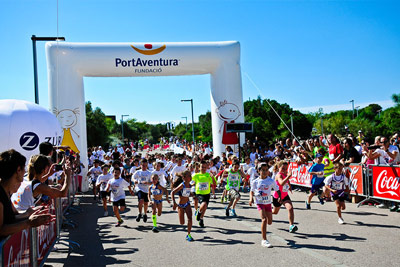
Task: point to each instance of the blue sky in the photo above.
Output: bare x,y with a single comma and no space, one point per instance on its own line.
308,54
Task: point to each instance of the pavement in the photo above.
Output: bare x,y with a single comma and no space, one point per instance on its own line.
369,237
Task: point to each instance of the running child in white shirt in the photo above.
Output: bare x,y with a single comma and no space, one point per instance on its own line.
156,192
94,172
102,181
261,191
117,185
338,184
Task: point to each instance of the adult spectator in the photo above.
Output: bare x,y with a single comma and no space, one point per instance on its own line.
391,150
335,149
350,154
12,170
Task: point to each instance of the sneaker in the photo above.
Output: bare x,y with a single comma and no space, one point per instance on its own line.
189,238
215,197
381,206
222,199
266,244
105,213
308,205
394,208
340,221
233,213
201,223
227,211
198,216
155,230
195,213
293,228
145,218
138,217
119,223
321,200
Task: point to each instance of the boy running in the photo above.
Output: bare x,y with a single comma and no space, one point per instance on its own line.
317,181
233,186
102,181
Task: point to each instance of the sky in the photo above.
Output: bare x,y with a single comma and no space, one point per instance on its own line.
308,54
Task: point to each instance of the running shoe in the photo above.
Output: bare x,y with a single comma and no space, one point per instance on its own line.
321,200
340,221
189,238
293,228
394,208
381,206
233,213
105,213
195,213
215,197
266,244
308,205
222,199
155,230
138,217
201,223
119,223
198,216
145,217
227,211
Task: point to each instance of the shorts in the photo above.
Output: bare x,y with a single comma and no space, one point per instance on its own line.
233,193
156,201
93,182
203,198
142,195
120,203
341,197
316,187
183,206
276,203
266,207
104,194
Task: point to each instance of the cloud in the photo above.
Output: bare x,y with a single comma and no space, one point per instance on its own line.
332,108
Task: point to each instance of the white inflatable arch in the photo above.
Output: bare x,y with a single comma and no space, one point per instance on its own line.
68,63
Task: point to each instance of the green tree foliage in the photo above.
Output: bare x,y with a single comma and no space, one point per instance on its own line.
96,126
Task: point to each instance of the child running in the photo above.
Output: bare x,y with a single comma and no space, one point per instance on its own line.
261,190
282,197
317,181
117,185
155,194
182,187
102,181
233,186
338,184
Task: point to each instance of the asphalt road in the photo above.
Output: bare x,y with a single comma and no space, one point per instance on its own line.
370,237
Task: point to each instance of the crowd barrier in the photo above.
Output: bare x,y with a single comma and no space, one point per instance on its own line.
372,182
31,247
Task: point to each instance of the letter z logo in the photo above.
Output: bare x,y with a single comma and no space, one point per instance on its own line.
29,141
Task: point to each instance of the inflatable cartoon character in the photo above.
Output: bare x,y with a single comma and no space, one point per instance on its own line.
68,119
228,113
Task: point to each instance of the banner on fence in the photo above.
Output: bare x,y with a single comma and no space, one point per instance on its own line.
300,175
16,249
356,180
386,182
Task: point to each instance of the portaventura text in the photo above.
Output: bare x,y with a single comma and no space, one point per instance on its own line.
145,62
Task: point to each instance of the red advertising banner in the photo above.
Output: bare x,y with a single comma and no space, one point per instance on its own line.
300,175
46,236
386,182
356,180
16,249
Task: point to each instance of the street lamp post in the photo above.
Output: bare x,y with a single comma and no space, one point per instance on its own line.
35,74
186,122
191,102
291,123
122,127
357,110
352,103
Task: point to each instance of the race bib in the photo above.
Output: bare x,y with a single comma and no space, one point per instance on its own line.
285,188
263,200
186,192
203,186
337,186
331,156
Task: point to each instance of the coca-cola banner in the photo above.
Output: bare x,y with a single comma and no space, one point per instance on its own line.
46,237
300,175
355,174
386,182
16,249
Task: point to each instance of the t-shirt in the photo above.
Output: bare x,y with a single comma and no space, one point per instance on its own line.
203,181
352,153
95,172
337,182
161,177
177,170
8,213
117,188
383,158
103,179
233,180
283,188
317,179
253,156
262,190
142,177
392,149
252,172
335,151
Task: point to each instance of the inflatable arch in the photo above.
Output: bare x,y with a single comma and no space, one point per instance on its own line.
68,63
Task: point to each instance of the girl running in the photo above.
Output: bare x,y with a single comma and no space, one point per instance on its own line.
156,192
117,185
338,185
282,197
182,187
102,181
261,190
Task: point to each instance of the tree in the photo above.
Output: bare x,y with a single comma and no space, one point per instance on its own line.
96,126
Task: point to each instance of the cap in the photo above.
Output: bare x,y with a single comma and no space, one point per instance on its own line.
318,155
360,131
